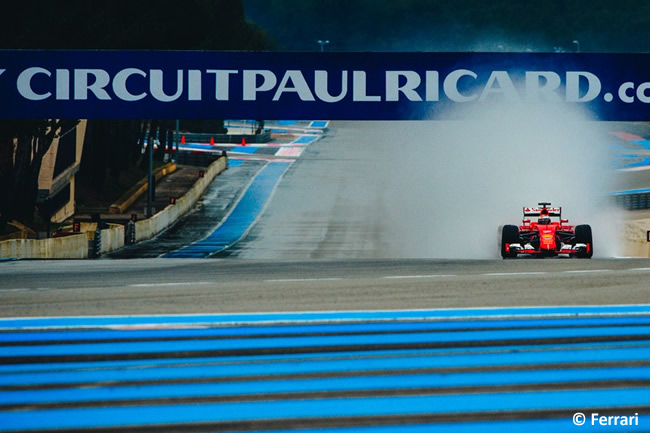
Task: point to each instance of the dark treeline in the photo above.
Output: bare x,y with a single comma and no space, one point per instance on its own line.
112,147
129,24
454,25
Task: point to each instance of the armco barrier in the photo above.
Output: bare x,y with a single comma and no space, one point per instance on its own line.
140,188
150,227
633,199
194,137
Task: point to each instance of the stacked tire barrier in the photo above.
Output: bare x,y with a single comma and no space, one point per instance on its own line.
129,233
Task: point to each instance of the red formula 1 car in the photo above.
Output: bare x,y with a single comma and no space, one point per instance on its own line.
546,238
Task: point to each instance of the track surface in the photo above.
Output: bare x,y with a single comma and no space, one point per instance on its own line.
171,286
349,367
481,370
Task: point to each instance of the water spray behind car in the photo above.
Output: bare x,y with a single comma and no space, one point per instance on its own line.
456,182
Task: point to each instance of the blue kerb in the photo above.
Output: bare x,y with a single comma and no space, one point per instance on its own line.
241,218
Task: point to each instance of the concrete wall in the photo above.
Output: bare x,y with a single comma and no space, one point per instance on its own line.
148,228
67,247
112,238
76,246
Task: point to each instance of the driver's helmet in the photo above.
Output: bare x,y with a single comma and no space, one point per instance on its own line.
544,217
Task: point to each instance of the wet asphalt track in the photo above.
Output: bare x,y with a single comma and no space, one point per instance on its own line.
352,369
324,242
188,286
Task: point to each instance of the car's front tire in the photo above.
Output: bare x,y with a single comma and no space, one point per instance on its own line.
509,235
583,236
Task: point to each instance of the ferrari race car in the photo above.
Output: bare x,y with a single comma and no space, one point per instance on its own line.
544,237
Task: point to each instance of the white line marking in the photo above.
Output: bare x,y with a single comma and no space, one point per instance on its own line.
294,280
507,274
587,271
639,269
398,277
183,283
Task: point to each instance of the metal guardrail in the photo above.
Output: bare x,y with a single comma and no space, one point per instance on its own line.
633,199
205,137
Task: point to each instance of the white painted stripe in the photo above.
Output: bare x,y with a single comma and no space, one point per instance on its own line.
182,283
399,277
640,168
508,274
608,310
587,271
290,151
293,280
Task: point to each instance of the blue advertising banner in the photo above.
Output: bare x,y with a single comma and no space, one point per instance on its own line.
280,85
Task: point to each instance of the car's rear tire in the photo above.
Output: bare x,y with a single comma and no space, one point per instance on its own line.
509,235
584,236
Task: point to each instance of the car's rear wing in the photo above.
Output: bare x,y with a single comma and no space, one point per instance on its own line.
536,211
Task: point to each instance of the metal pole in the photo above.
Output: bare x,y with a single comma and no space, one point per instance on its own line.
577,44
176,139
322,44
150,176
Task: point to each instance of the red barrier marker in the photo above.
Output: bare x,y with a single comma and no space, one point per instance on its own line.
243,141
183,139
212,141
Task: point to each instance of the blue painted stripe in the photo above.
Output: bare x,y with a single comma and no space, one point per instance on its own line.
602,352
245,149
301,365
287,122
333,328
643,143
232,162
242,217
633,191
240,376
592,399
563,425
306,139
325,316
338,384
319,123
270,343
